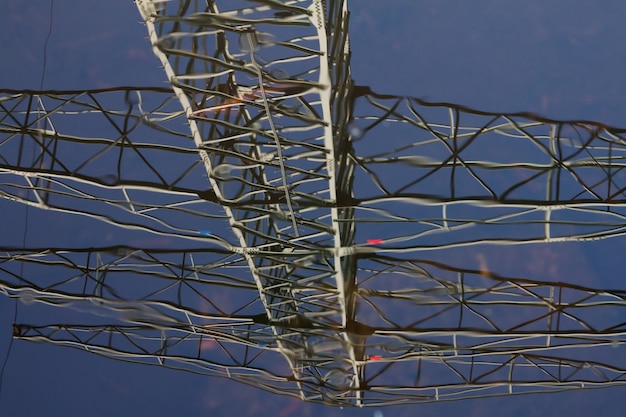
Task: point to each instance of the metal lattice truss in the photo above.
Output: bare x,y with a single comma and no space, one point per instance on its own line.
441,333
307,207
489,172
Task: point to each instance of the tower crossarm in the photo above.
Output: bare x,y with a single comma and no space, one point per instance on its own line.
475,176
444,333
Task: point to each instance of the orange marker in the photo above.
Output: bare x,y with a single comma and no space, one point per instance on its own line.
251,95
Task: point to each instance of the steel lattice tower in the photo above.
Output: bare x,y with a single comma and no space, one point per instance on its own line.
270,169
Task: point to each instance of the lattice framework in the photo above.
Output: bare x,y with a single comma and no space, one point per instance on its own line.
282,181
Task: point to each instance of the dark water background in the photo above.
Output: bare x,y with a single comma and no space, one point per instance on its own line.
563,59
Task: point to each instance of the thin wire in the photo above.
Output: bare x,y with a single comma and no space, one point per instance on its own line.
45,47
25,234
6,357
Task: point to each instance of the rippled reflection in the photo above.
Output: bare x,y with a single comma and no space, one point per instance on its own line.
292,231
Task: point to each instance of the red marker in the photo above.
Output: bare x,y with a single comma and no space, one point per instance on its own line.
375,357
374,241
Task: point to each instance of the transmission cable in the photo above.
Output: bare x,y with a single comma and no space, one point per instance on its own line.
25,233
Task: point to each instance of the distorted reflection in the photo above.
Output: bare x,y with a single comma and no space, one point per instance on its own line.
346,261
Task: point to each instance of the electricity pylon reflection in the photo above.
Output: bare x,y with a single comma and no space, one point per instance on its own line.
302,210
